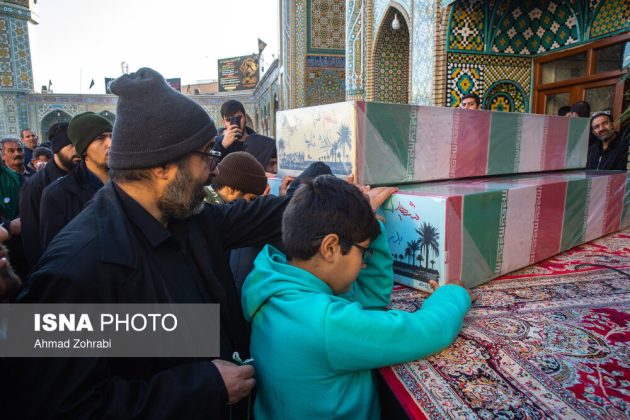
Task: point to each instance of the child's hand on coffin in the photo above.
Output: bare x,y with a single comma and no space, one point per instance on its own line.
434,285
377,196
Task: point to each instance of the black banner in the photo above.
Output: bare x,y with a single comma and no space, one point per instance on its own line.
238,73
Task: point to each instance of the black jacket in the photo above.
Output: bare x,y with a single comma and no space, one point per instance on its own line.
101,257
262,147
30,198
62,201
613,158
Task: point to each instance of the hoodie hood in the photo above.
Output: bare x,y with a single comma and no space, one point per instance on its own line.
272,276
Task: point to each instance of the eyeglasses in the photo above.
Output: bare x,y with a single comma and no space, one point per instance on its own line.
214,156
366,253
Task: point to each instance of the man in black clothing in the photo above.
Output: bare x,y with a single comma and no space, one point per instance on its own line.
62,200
64,159
147,237
610,151
240,138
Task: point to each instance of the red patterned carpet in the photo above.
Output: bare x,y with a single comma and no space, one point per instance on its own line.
549,341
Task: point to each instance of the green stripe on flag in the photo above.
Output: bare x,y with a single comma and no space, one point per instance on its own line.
481,233
576,204
387,141
504,143
577,143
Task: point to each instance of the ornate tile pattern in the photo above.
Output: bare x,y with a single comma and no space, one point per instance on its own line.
612,16
23,3
6,67
325,86
467,26
21,54
355,49
391,63
380,7
463,79
326,25
506,96
477,72
299,52
535,27
423,29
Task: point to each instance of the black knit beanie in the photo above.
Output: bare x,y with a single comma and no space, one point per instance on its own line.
58,136
241,171
155,124
84,128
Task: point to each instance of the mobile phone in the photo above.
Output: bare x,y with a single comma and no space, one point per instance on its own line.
236,120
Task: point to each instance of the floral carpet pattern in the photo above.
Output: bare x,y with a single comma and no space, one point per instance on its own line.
549,341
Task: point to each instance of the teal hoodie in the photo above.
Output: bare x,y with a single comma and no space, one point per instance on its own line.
314,351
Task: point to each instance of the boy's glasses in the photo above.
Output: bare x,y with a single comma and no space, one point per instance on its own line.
366,253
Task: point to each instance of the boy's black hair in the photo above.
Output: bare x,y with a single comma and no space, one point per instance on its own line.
473,96
231,107
325,205
582,108
42,151
563,111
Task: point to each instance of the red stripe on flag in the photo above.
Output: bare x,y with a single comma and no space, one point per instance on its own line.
555,143
453,241
471,139
549,220
614,202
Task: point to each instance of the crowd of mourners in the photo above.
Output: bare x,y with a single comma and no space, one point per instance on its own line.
160,207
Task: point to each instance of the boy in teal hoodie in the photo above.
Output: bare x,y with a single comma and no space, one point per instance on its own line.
318,321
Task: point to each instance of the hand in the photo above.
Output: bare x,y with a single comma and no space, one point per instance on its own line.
9,281
284,185
378,195
15,226
435,285
239,380
230,135
4,234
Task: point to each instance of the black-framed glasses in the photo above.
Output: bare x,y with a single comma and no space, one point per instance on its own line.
214,156
366,253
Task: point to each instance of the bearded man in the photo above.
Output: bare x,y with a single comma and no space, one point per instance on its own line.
65,158
147,237
610,151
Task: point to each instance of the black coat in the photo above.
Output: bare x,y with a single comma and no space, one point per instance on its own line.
30,199
99,258
615,157
62,201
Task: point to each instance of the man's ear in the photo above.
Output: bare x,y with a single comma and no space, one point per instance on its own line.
164,172
330,247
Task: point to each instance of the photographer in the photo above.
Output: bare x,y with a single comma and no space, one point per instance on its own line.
237,137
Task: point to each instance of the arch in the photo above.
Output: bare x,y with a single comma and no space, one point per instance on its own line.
53,117
506,96
391,59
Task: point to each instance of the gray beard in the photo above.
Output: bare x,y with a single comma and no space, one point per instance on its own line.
182,198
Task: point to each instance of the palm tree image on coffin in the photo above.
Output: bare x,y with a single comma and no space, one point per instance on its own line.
417,252
335,153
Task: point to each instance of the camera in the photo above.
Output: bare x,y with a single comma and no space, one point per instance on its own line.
236,120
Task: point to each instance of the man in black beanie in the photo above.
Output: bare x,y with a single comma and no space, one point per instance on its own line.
61,201
65,158
148,237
